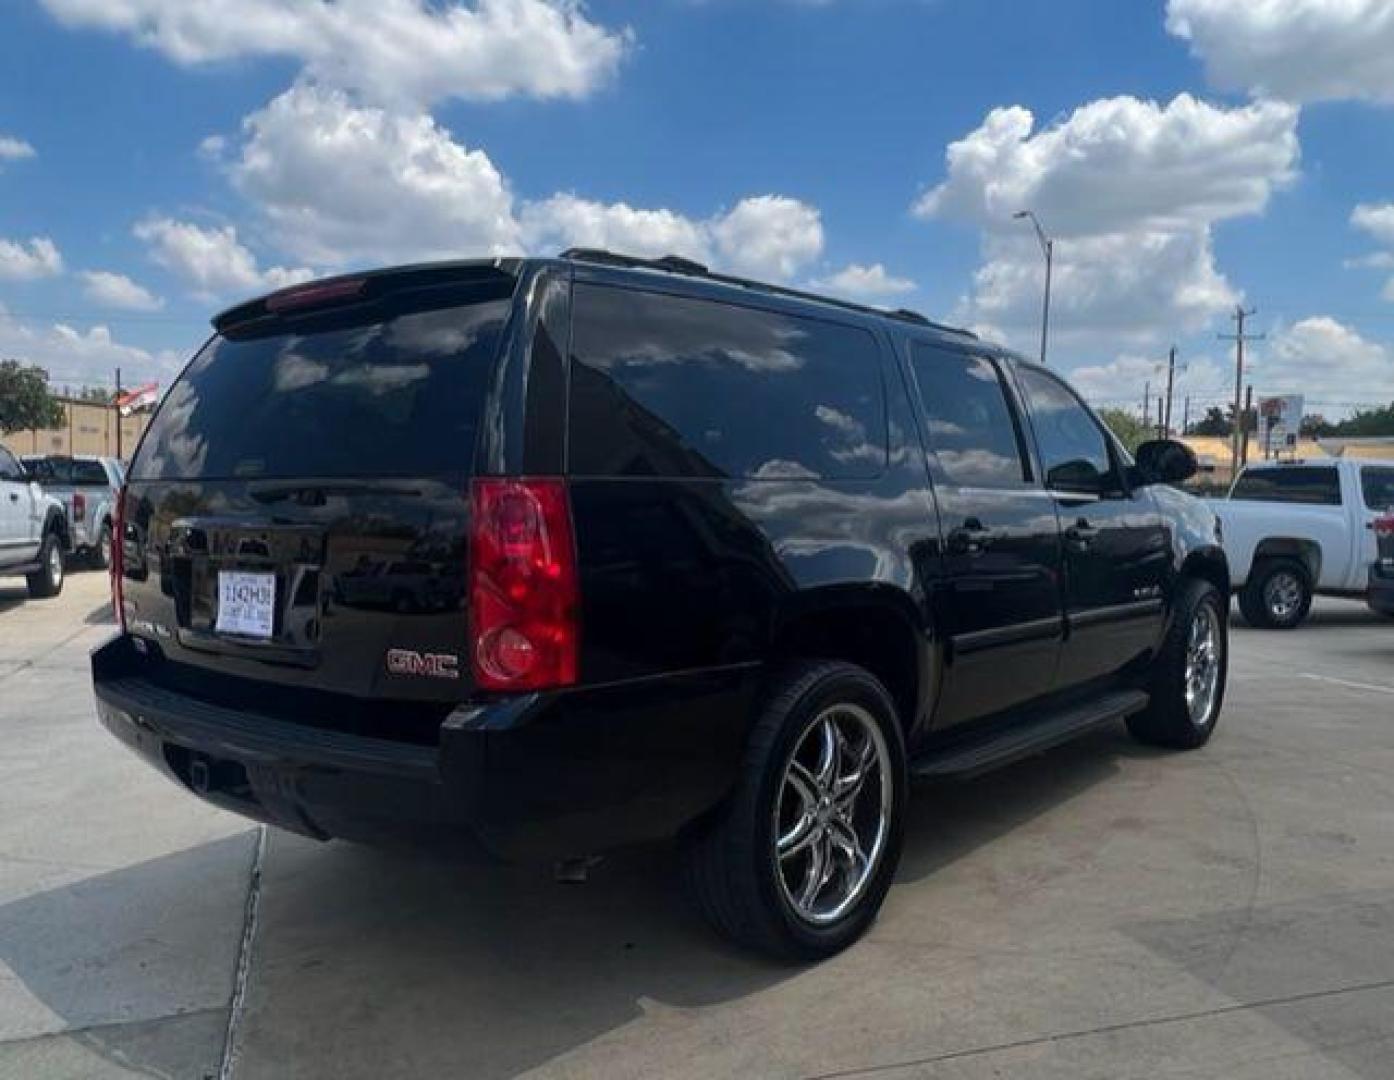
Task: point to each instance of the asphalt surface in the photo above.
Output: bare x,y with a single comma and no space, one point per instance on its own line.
1099,911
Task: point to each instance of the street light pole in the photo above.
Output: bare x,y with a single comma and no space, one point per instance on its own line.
1048,250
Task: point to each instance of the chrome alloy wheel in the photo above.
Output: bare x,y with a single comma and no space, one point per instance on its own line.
1203,645
1283,595
54,565
833,814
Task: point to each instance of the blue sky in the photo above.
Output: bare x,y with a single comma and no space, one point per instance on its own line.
160,159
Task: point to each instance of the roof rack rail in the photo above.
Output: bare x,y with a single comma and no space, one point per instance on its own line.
676,264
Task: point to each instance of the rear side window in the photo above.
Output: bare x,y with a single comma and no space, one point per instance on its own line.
676,387
50,470
1377,485
1315,484
971,428
90,474
396,394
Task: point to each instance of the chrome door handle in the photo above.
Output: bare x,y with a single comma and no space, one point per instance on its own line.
1081,534
970,538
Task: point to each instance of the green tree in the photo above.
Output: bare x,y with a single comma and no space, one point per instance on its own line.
1215,422
1130,430
1365,423
25,400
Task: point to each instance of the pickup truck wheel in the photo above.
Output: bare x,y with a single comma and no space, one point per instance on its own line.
1188,675
47,580
101,553
1277,596
799,860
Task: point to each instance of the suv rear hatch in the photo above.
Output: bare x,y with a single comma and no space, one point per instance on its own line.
297,517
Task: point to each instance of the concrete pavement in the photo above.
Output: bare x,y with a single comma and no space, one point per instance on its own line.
1101,911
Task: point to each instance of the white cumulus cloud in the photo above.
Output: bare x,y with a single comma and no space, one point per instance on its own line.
1321,357
115,290
1296,50
12,149
212,261
389,50
77,356
339,183
860,282
22,261
1377,221
769,236
1130,190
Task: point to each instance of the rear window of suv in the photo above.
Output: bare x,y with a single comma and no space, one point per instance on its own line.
673,386
396,393
1314,484
1377,485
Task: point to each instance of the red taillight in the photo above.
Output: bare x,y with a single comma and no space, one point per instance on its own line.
1384,526
79,506
524,594
118,555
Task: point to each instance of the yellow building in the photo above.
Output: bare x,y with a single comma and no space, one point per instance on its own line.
89,427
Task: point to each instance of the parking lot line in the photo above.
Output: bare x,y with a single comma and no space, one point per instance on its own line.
1351,683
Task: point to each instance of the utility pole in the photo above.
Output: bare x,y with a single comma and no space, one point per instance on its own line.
1161,420
1171,378
1248,410
117,407
1239,338
1146,402
1186,415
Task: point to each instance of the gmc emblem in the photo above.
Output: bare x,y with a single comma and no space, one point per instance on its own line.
423,665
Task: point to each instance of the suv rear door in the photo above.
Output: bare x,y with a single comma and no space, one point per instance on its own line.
299,506
1001,536
1117,551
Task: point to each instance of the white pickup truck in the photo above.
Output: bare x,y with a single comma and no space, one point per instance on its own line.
34,535
1293,529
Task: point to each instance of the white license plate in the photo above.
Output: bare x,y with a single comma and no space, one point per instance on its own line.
246,603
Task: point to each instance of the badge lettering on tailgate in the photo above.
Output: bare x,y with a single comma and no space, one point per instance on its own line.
423,665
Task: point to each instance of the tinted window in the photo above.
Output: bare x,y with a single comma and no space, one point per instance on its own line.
671,386
1289,484
971,429
50,470
1073,448
89,473
9,467
1377,484
397,395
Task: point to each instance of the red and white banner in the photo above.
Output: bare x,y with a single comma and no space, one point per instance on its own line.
142,397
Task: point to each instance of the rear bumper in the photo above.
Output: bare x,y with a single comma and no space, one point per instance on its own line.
534,777
1381,593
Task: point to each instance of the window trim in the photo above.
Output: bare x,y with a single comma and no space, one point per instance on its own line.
1118,473
1031,481
671,291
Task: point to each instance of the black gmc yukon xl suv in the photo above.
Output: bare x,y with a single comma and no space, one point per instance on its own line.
544,557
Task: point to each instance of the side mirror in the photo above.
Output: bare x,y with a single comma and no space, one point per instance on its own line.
1165,461
1078,477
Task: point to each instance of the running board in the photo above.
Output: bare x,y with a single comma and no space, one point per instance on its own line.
973,757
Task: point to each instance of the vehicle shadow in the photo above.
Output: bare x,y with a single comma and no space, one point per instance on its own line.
12,596
394,958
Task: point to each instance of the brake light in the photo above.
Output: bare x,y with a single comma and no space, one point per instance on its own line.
118,556
524,594
1384,526
79,506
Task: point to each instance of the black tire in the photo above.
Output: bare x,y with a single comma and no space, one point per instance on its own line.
100,554
730,864
47,580
1167,721
1256,600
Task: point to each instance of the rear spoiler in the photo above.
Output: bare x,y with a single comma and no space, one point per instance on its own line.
348,289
